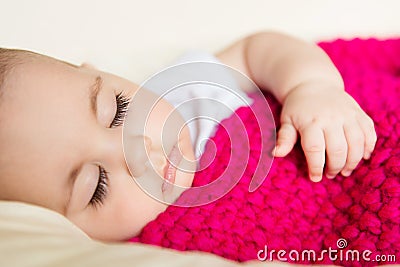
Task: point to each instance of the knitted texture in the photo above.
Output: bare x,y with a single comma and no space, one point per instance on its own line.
288,211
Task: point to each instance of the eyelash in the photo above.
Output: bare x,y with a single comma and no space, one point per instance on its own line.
122,109
101,188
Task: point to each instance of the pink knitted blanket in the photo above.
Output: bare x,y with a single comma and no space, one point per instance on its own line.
289,212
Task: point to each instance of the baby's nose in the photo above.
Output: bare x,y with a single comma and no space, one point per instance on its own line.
137,150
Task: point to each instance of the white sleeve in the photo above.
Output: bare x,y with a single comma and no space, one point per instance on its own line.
203,90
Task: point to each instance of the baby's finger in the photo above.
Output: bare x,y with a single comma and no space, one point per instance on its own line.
367,126
287,137
336,150
355,142
313,143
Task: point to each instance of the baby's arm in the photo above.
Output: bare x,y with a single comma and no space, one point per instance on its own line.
314,104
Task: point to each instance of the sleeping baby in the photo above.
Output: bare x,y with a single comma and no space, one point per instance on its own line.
63,145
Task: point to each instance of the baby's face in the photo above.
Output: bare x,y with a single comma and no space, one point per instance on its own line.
61,147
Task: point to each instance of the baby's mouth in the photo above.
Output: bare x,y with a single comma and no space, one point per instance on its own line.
173,160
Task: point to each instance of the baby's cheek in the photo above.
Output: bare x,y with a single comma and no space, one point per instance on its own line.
132,210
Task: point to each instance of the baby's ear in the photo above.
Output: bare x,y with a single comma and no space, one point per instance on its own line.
88,66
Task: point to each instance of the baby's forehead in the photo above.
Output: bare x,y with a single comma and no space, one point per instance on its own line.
31,66
38,82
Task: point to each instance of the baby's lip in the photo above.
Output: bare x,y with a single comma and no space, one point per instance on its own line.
173,160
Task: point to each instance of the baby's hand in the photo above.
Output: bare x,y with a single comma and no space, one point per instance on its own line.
330,123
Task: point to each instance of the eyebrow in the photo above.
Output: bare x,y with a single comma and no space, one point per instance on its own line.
94,90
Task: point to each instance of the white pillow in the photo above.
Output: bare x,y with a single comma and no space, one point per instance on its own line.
35,236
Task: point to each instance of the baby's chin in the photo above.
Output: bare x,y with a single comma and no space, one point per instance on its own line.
184,178
187,167
183,182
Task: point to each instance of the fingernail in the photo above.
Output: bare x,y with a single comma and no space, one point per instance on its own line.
315,178
346,173
330,176
367,155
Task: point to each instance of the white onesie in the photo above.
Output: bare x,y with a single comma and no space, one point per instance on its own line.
203,90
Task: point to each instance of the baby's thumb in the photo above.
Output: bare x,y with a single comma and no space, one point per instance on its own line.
287,136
